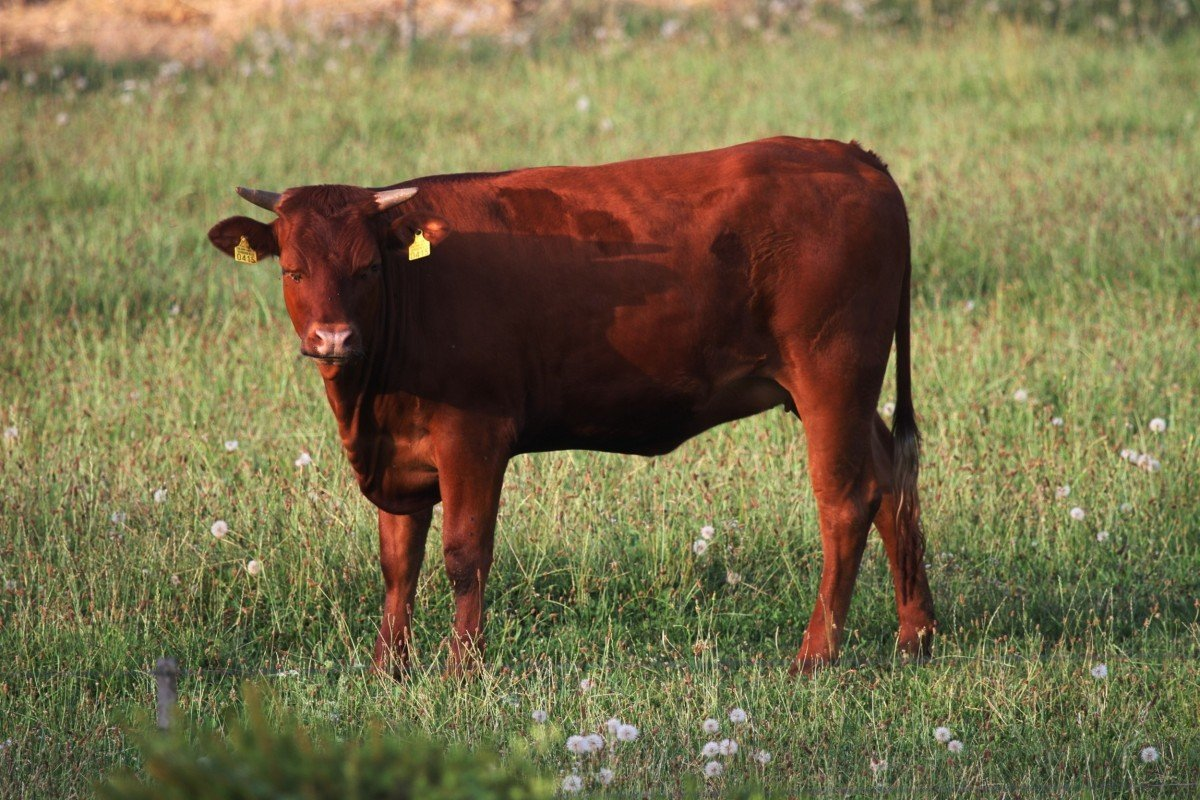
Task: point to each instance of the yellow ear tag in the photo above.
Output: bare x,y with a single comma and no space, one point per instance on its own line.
420,247
244,253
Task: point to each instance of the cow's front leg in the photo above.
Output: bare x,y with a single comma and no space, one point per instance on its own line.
470,488
401,551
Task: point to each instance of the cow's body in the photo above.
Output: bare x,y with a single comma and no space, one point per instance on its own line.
626,308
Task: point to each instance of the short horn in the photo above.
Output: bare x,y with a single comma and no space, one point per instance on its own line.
267,200
389,198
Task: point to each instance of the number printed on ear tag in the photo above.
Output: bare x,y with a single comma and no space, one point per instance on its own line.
420,247
244,253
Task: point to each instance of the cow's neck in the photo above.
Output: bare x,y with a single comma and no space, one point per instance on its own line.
363,394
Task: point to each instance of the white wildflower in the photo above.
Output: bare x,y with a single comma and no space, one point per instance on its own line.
231,445
1062,491
1020,395
606,125
10,433
763,757
737,716
595,742
700,547
889,409
1078,514
583,103
969,306
175,580
1149,754
303,460
954,746
1148,463
160,495
1158,424
943,734
613,724
1101,536
572,784
1056,422
713,769
727,747
707,533
586,684
733,578
627,733
219,528
539,716
605,776
118,517
253,566
1100,672
711,750
710,726
1129,455
1126,508
577,745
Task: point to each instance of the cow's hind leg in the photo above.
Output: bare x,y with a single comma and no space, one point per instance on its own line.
840,467
914,603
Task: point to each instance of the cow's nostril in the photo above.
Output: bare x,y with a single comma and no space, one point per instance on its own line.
330,341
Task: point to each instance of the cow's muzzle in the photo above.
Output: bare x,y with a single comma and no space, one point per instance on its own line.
331,344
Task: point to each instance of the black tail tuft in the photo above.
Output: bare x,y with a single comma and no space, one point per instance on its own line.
906,456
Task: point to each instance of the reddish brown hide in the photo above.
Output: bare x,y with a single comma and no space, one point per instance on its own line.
624,308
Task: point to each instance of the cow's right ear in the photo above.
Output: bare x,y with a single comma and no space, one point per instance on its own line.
227,237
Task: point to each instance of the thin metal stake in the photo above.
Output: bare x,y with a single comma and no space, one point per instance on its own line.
166,682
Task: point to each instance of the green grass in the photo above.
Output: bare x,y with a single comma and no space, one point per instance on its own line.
1051,183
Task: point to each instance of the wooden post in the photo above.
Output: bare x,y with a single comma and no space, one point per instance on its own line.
166,690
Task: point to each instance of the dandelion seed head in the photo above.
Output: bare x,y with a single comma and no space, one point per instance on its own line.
878,765
710,750
175,580
627,732
1062,491
1126,508
304,459
219,528
1056,422
1101,536
1078,514
160,495
889,409
586,684
733,578
254,566
710,726
727,747
762,757
700,547
707,532
595,742
539,716
969,306
583,103
118,518
10,433
605,776
942,734
1100,672
1149,754
1021,395
613,724
10,584
231,445
577,745
954,746
713,769
572,784
737,716
1158,424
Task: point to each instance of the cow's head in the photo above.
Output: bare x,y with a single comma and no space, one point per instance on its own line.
335,245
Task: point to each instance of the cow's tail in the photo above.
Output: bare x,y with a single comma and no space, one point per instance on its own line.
906,454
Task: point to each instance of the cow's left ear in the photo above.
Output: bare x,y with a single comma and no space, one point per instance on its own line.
404,230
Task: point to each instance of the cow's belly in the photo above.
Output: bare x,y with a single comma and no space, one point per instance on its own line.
653,424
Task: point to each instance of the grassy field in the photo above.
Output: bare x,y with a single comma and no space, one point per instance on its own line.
1056,212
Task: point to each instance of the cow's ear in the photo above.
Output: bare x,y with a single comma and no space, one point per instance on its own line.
227,237
433,228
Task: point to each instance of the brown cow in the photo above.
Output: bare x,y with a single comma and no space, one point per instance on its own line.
625,308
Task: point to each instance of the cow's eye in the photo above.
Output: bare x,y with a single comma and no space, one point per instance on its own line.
374,268
293,275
